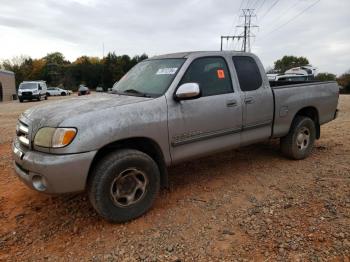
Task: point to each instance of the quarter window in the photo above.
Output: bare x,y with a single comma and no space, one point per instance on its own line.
248,73
212,75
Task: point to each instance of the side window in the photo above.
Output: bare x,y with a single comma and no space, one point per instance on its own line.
248,73
40,87
212,75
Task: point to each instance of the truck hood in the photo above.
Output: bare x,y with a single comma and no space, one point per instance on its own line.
53,113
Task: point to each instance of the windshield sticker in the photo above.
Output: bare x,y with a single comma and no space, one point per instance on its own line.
221,73
166,71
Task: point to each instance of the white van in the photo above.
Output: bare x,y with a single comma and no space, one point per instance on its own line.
30,90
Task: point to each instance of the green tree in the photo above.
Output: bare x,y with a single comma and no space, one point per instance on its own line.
56,70
288,62
325,77
55,58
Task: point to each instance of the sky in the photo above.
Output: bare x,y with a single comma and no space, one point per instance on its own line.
316,29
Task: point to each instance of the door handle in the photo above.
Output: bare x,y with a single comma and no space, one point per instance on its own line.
249,100
231,103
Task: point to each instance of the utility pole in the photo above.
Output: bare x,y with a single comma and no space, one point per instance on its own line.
247,14
246,35
227,37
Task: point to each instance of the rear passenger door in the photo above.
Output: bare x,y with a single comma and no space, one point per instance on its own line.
257,100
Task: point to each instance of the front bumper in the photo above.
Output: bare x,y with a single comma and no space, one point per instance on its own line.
53,174
29,97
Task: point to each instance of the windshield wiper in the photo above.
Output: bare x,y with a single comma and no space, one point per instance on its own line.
136,92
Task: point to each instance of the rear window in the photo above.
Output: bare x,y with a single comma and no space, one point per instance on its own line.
248,73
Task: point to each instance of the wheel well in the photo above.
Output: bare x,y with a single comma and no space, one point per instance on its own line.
145,145
312,113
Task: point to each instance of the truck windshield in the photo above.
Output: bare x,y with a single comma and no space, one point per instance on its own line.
149,78
28,86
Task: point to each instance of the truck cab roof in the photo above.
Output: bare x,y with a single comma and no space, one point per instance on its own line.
200,53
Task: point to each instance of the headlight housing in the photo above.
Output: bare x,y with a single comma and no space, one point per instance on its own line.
54,137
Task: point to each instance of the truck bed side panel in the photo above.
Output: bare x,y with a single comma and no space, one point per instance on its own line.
291,99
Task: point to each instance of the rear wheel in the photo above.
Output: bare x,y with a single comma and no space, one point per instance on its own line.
299,142
124,185
63,94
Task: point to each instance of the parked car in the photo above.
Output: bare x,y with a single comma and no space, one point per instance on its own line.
83,90
99,89
32,90
56,91
168,109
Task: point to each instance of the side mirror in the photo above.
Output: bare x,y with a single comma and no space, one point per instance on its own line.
188,91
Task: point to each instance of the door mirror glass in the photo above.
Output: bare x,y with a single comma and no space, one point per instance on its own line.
188,91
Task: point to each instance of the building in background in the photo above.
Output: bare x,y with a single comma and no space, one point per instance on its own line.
7,85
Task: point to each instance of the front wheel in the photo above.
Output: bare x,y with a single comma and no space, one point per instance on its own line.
124,185
300,140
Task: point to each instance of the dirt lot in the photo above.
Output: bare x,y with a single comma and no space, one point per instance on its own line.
247,204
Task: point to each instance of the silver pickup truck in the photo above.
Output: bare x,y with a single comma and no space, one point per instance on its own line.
165,110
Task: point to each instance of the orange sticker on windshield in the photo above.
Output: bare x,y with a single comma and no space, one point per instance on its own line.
221,73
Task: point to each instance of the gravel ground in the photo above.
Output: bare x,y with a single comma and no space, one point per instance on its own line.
242,205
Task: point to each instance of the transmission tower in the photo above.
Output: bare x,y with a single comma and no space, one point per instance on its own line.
247,26
246,35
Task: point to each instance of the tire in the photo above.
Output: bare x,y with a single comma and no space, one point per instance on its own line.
46,97
299,142
117,169
21,100
63,94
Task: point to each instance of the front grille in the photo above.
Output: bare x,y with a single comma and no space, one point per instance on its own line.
22,131
27,93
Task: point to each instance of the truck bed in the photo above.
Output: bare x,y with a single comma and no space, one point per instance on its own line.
282,84
291,97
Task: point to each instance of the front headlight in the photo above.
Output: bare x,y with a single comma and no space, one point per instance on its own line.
54,137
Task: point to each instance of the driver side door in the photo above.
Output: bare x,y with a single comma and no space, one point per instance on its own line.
211,122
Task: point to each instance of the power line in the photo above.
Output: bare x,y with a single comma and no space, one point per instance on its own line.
237,20
269,9
254,5
294,17
235,23
262,3
283,13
